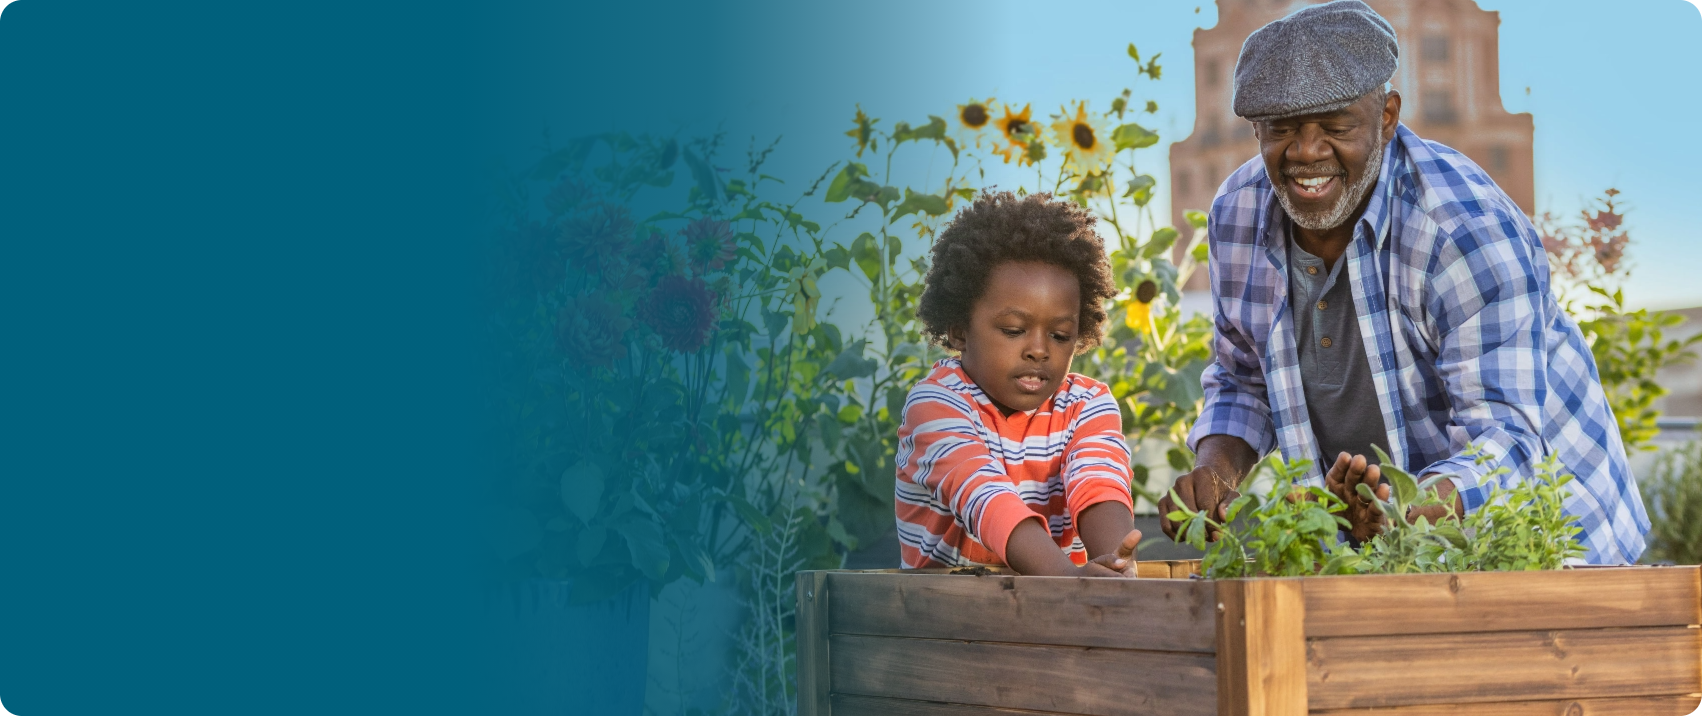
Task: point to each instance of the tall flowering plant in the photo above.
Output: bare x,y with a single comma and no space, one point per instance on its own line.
658,370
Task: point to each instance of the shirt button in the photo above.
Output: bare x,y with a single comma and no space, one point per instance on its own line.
1323,305
1312,270
1326,342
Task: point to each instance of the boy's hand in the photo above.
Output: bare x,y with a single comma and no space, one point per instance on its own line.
1120,563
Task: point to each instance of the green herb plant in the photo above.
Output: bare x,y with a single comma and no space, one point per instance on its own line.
1286,531
1673,496
1290,530
1525,527
1410,547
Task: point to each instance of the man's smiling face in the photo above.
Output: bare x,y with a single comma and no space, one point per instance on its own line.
1323,165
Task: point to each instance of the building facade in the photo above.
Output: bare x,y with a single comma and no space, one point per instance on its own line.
1448,78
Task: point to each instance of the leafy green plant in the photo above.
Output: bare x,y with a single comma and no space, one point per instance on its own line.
1410,547
1286,531
1673,495
1525,527
1289,530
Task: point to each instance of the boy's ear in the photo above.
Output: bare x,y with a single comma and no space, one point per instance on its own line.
955,339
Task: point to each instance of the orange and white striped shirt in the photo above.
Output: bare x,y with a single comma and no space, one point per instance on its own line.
967,474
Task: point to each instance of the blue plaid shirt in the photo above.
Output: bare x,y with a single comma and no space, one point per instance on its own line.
1466,343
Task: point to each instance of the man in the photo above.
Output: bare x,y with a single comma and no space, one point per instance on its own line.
1373,288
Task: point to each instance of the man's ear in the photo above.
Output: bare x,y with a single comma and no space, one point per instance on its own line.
955,338
1391,113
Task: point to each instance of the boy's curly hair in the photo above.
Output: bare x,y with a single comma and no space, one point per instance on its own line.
1001,227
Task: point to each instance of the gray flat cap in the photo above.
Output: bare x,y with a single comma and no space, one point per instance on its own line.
1319,59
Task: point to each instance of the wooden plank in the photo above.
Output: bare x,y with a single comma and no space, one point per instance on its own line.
1376,605
1152,569
1184,568
1261,649
814,683
1645,706
849,705
1156,614
1073,680
1358,672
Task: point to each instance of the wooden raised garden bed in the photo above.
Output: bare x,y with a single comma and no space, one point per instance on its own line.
1582,642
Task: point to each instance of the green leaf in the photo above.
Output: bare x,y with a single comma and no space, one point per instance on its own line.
707,183
1140,189
838,533
1133,53
850,413
884,195
850,362
752,517
582,489
1180,460
845,181
1201,252
644,542
1196,219
867,254
837,257
935,129
1133,136
925,203
1160,242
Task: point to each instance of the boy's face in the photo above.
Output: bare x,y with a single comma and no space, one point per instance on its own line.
1021,333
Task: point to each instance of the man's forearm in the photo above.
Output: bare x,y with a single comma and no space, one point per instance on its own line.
1228,457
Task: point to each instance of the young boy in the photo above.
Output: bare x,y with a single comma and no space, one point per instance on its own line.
1004,456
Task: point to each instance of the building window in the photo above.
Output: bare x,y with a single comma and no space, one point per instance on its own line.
1212,72
1498,161
1439,107
1212,134
1434,49
1184,182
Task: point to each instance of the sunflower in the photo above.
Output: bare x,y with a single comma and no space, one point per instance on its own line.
972,120
1019,132
1083,139
1139,315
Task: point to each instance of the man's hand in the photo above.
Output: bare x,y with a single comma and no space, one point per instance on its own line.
1343,480
1204,489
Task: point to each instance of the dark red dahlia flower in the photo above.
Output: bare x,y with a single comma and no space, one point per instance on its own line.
592,331
681,310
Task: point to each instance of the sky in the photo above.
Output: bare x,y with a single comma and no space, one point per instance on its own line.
1612,89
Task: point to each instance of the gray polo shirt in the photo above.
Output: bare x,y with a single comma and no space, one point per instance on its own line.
1341,399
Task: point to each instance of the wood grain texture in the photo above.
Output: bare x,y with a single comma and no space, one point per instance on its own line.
1184,568
1156,614
1071,680
1648,706
1260,647
813,648
1357,672
1152,569
1376,605
849,705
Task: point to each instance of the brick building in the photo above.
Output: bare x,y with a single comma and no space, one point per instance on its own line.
1449,80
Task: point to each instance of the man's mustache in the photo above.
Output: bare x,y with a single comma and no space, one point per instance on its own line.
1315,170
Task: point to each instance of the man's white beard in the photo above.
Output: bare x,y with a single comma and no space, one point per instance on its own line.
1336,215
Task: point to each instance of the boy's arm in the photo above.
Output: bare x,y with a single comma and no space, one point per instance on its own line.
1096,477
1031,551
